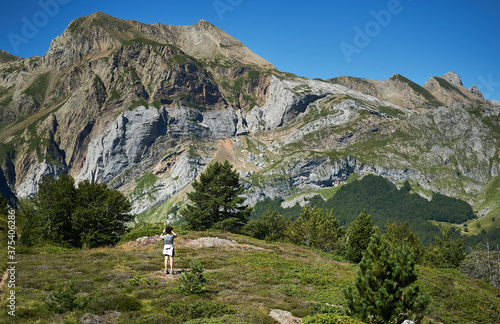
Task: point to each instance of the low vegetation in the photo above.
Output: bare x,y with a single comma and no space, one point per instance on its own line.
70,272
127,285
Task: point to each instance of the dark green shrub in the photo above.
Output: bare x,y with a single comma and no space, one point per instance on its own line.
385,288
316,229
141,230
448,253
271,226
193,282
63,298
291,290
358,234
204,309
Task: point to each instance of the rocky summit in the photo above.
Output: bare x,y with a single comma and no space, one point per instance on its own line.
144,108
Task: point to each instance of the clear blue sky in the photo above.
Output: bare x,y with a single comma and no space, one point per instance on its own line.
318,38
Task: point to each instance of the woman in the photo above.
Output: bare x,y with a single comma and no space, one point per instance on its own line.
168,247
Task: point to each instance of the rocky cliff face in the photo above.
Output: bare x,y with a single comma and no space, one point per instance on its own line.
143,108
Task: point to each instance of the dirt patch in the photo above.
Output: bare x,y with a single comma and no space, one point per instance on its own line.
225,152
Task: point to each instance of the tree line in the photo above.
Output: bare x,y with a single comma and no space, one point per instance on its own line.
86,216
384,202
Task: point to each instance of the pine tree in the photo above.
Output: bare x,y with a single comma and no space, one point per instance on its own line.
100,215
92,215
358,237
448,253
216,200
55,203
315,229
400,234
193,282
63,297
271,226
385,289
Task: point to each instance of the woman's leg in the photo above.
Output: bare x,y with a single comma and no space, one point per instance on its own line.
172,264
166,263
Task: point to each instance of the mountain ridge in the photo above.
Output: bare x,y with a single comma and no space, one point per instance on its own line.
143,108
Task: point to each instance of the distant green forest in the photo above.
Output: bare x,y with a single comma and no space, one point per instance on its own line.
386,203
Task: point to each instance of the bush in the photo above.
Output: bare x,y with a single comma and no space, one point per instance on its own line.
63,299
385,289
316,229
448,253
358,237
271,226
193,282
141,230
330,319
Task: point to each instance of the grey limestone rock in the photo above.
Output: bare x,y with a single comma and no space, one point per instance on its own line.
185,170
475,91
453,78
29,187
284,317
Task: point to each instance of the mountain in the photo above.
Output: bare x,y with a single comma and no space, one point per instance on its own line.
144,108
450,90
397,90
6,57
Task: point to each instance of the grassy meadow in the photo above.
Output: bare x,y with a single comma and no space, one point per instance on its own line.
126,284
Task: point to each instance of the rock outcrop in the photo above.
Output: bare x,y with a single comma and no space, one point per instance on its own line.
453,78
475,91
284,317
449,90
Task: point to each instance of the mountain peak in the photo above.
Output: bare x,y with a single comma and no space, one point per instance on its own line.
7,57
100,32
204,23
475,91
100,14
453,78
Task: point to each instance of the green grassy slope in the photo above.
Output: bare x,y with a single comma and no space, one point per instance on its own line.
126,285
